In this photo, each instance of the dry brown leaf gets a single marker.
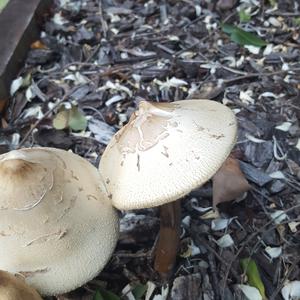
(229, 182)
(38, 45)
(2, 104)
(4, 124)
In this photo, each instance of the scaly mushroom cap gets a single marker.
(57, 225)
(13, 288)
(165, 151)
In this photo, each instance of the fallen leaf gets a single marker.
(250, 292)
(298, 144)
(278, 216)
(102, 294)
(229, 182)
(150, 290)
(2, 104)
(243, 37)
(61, 120)
(102, 131)
(220, 224)
(225, 241)
(293, 226)
(244, 15)
(77, 120)
(291, 290)
(139, 290)
(285, 126)
(38, 45)
(15, 85)
(71, 118)
(273, 252)
(250, 268)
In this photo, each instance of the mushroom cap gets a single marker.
(13, 288)
(165, 151)
(58, 227)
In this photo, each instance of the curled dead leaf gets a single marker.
(229, 182)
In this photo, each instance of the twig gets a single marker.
(213, 270)
(204, 243)
(251, 237)
(103, 22)
(251, 75)
(283, 14)
(278, 289)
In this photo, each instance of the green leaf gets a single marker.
(273, 3)
(244, 16)
(243, 37)
(3, 4)
(61, 120)
(98, 296)
(296, 21)
(227, 28)
(139, 291)
(71, 118)
(250, 268)
(77, 120)
(103, 294)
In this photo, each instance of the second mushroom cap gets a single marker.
(166, 150)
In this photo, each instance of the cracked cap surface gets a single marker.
(165, 151)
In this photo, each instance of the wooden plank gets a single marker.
(18, 29)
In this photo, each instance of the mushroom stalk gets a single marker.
(169, 238)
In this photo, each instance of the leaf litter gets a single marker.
(93, 63)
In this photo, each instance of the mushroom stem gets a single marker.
(169, 237)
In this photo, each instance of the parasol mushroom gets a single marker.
(13, 288)
(165, 151)
(57, 226)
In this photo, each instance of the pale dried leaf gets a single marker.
(15, 85)
(278, 216)
(285, 126)
(225, 241)
(298, 144)
(250, 292)
(291, 291)
(220, 224)
(273, 252)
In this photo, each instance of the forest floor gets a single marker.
(97, 59)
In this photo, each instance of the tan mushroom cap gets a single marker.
(165, 151)
(57, 226)
(13, 288)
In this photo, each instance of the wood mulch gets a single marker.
(106, 56)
